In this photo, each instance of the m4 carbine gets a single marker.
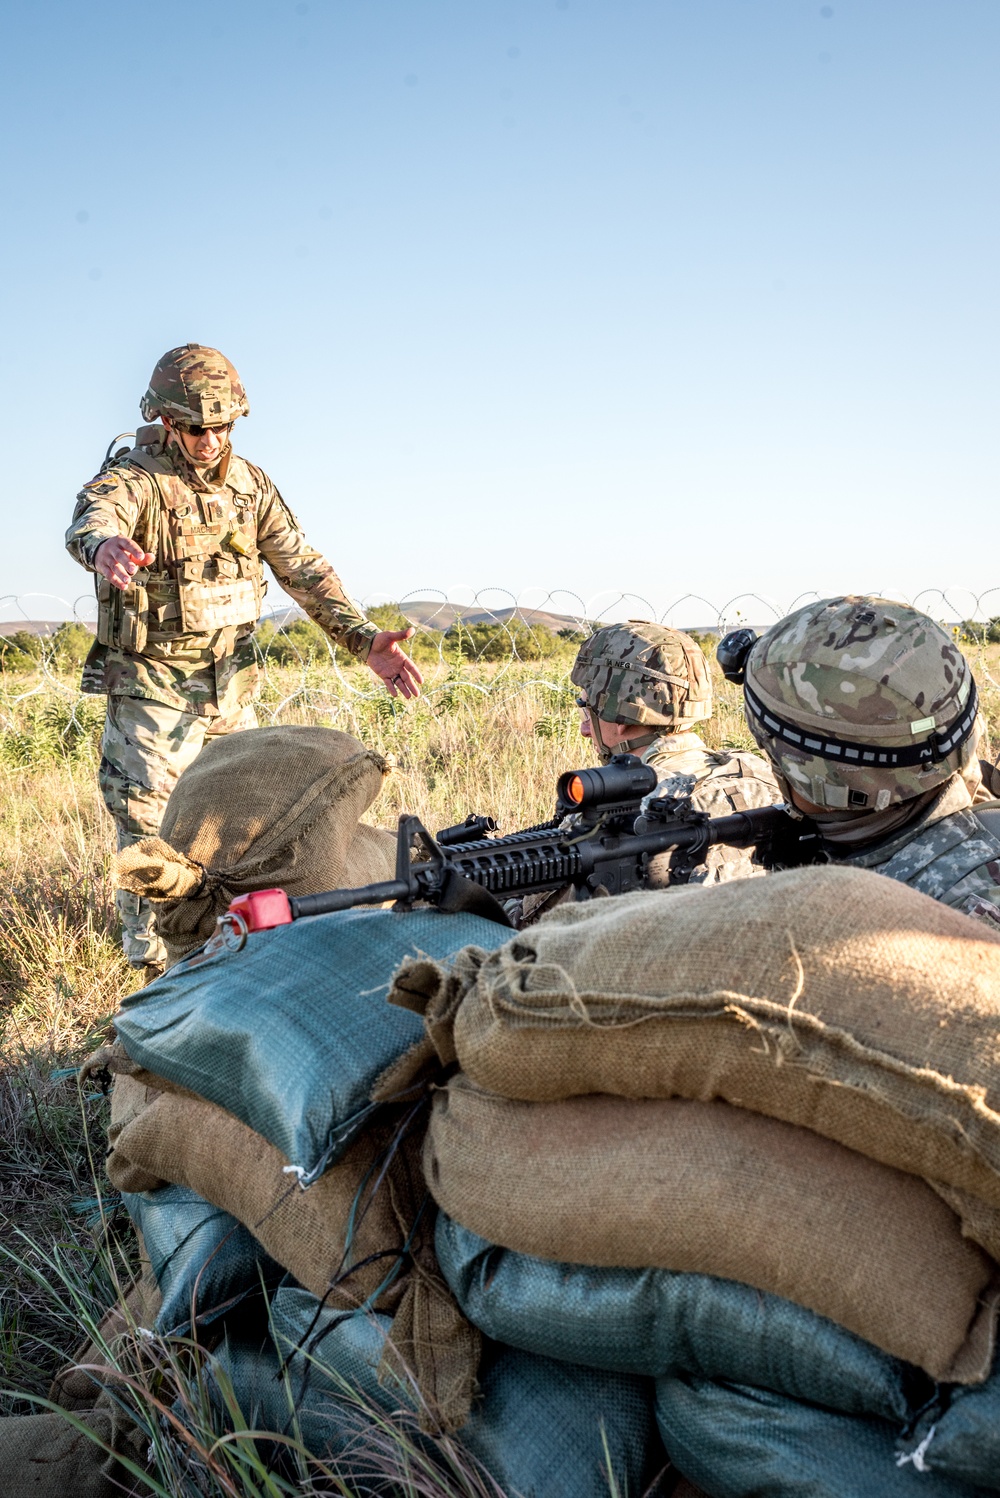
(597, 840)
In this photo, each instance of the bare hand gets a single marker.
(401, 677)
(119, 558)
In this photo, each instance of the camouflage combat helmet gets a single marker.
(861, 703)
(196, 386)
(645, 674)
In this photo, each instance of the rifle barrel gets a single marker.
(346, 899)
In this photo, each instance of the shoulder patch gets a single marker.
(101, 485)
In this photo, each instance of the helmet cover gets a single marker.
(861, 703)
(195, 386)
(645, 674)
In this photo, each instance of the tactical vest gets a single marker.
(207, 574)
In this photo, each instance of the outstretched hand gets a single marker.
(387, 660)
(119, 558)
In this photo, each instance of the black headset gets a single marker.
(732, 652)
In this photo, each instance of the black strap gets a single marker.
(846, 751)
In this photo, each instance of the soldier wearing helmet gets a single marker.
(868, 712)
(177, 531)
(643, 687)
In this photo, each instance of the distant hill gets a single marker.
(434, 613)
(43, 627)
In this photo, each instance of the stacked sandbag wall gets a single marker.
(789, 1087)
(709, 1145)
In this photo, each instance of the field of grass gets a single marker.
(486, 736)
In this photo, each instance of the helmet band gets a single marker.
(847, 752)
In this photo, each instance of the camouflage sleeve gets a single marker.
(984, 907)
(108, 506)
(307, 576)
(978, 893)
(742, 781)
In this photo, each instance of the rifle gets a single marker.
(597, 838)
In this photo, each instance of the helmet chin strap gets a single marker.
(603, 752)
(786, 791)
(626, 746)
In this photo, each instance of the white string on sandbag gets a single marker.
(917, 1456)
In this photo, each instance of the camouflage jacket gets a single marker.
(209, 540)
(718, 783)
(948, 853)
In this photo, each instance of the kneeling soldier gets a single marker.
(643, 687)
(868, 712)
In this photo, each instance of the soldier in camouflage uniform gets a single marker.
(177, 532)
(868, 711)
(642, 688)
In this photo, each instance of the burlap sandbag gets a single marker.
(706, 1188)
(190, 1142)
(271, 807)
(131, 1091)
(48, 1456)
(980, 1220)
(129, 1098)
(432, 1344)
(187, 1141)
(828, 997)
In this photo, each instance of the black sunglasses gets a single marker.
(200, 431)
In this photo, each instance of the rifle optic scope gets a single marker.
(626, 778)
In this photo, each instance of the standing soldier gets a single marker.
(177, 532)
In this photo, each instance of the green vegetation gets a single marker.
(303, 642)
(515, 639)
(64, 650)
(973, 632)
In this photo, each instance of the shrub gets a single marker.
(69, 646)
(293, 644)
(20, 651)
(975, 632)
(497, 641)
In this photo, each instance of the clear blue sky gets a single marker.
(663, 295)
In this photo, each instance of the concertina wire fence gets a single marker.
(512, 636)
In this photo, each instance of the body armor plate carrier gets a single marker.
(207, 574)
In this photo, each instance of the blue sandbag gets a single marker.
(739, 1442)
(653, 1321)
(291, 1032)
(197, 1250)
(335, 1410)
(249, 1361)
(961, 1437)
(536, 1428)
(539, 1427)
